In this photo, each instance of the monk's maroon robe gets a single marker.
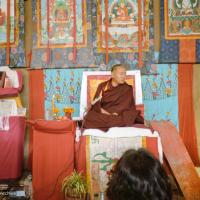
(118, 100)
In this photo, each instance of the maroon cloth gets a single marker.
(12, 149)
(118, 100)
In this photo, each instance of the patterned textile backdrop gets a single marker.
(58, 40)
(160, 93)
(17, 57)
(65, 84)
(169, 52)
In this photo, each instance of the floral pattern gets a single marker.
(63, 86)
(160, 93)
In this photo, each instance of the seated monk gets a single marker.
(113, 104)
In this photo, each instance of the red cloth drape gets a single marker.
(186, 111)
(48, 33)
(36, 102)
(53, 157)
(12, 148)
(106, 29)
(140, 34)
(74, 32)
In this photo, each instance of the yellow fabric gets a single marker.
(17, 99)
(144, 142)
(156, 10)
(88, 176)
(196, 102)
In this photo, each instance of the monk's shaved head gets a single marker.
(118, 74)
(114, 67)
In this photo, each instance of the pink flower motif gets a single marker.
(14, 50)
(72, 98)
(70, 56)
(154, 67)
(135, 44)
(168, 82)
(57, 88)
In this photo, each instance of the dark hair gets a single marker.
(114, 67)
(138, 176)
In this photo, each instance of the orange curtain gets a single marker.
(187, 127)
(36, 103)
(187, 51)
(196, 101)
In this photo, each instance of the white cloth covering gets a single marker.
(8, 107)
(4, 123)
(12, 75)
(124, 132)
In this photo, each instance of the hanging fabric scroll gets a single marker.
(61, 23)
(123, 17)
(182, 19)
(12, 33)
(60, 37)
(180, 29)
(122, 34)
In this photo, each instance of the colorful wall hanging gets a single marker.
(54, 49)
(182, 19)
(61, 38)
(61, 23)
(116, 36)
(160, 93)
(173, 48)
(123, 25)
(64, 85)
(12, 33)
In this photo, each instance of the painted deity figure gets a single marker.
(61, 21)
(122, 12)
(186, 6)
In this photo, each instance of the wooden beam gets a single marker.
(179, 160)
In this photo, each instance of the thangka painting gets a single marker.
(66, 22)
(65, 86)
(118, 22)
(160, 93)
(14, 17)
(182, 19)
(16, 32)
(61, 36)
